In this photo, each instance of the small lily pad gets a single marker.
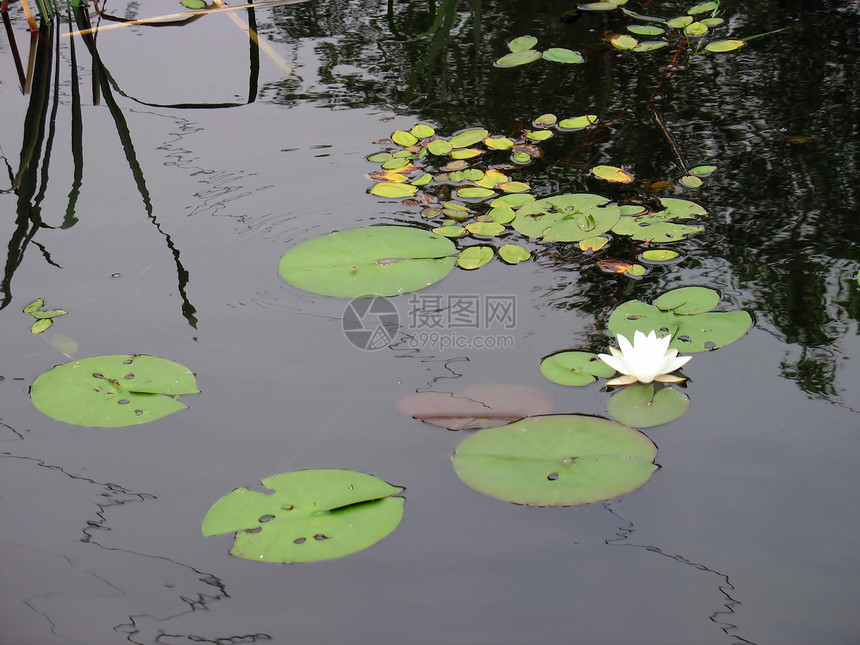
(393, 190)
(468, 137)
(490, 229)
(650, 46)
(367, 262)
(562, 55)
(522, 43)
(474, 192)
(659, 255)
(498, 143)
(515, 59)
(545, 121)
(659, 225)
(422, 131)
(704, 7)
(723, 46)
(612, 173)
(623, 41)
(593, 244)
(439, 147)
(113, 391)
(645, 30)
(557, 460)
(311, 515)
(450, 231)
(680, 22)
(691, 181)
(37, 304)
(403, 138)
(40, 325)
(574, 368)
(473, 257)
(513, 253)
(702, 171)
(639, 406)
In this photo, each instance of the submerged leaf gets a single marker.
(311, 515)
(478, 406)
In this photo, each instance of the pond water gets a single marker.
(155, 210)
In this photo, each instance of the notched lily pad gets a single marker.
(311, 515)
(685, 315)
(113, 391)
(640, 406)
(367, 262)
(567, 218)
(558, 460)
(574, 368)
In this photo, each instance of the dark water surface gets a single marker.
(157, 220)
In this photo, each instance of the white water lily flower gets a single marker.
(648, 359)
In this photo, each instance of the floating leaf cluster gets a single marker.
(44, 318)
(522, 52)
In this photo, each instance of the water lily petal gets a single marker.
(669, 378)
(627, 379)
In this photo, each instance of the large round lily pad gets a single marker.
(557, 460)
(312, 515)
(113, 391)
(567, 218)
(685, 315)
(368, 262)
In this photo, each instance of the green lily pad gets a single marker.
(704, 7)
(37, 304)
(522, 43)
(368, 262)
(557, 460)
(468, 137)
(650, 46)
(40, 325)
(638, 406)
(502, 214)
(403, 138)
(475, 192)
(696, 29)
(193, 4)
(645, 30)
(311, 515)
(577, 123)
(439, 147)
(659, 255)
(490, 229)
(473, 257)
(513, 200)
(545, 121)
(112, 391)
(422, 131)
(680, 22)
(393, 191)
(513, 253)
(623, 41)
(567, 218)
(562, 55)
(574, 368)
(684, 314)
(691, 181)
(603, 5)
(450, 231)
(515, 59)
(498, 143)
(723, 46)
(702, 171)
(657, 226)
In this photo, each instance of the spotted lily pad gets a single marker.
(113, 391)
(644, 406)
(567, 218)
(367, 262)
(311, 515)
(557, 460)
(685, 315)
(574, 368)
